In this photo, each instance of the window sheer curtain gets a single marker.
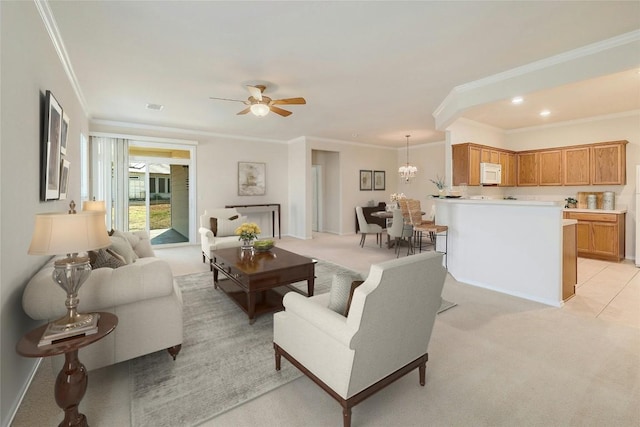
(110, 178)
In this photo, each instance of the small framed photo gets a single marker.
(64, 179)
(50, 150)
(252, 179)
(64, 133)
(378, 180)
(366, 181)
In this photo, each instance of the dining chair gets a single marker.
(399, 231)
(366, 228)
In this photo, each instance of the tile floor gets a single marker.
(608, 291)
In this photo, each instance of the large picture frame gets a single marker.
(64, 132)
(64, 179)
(366, 181)
(252, 179)
(378, 180)
(50, 150)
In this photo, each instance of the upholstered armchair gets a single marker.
(217, 230)
(384, 336)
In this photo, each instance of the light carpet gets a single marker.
(224, 361)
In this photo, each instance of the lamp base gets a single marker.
(67, 327)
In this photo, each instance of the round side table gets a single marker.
(71, 382)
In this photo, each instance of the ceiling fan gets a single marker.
(260, 105)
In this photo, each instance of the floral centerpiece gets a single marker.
(248, 232)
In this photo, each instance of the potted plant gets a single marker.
(571, 203)
(439, 182)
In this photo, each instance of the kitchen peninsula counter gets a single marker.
(510, 246)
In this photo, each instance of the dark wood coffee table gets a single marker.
(254, 276)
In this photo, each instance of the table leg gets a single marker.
(215, 277)
(311, 284)
(71, 384)
(251, 307)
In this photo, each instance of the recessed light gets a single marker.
(545, 113)
(517, 100)
(155, 107)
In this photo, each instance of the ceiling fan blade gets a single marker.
(256, 91)
(288, 101)
(245, 111)
(283, 113)
(227, 99)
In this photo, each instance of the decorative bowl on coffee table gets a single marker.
(263, 245)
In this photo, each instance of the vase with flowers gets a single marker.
(439, 182)
(248, 232)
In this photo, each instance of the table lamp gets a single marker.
(70, 234)
(94, 205)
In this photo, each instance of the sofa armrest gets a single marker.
(326, 320)
(205, 232)
(145, 279)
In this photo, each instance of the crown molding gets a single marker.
(52, 29)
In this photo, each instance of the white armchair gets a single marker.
(222, 235)
(384, 336)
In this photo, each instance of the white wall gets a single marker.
(29, 66)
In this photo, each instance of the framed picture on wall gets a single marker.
(50, 150)
(64, 179)
(63, 133)
(366, 180)
(252, 179)
(378, 180)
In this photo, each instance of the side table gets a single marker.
(71, 382)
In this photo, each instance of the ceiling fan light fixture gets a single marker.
(260, 110)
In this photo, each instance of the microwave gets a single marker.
(490, 173)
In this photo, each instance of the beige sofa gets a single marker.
(219, 234)
(142, 294)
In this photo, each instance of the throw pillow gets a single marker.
(213, 224)
(227, 227)
(339, 293)
(354, 285)
(122, 247)
(104, 258)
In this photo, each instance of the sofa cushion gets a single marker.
(340, 291)
(227, 227)
(122, 247)
(213, 224)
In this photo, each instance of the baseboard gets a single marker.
(23, 393)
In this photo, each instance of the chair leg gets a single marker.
(346, 417)
(362, 239)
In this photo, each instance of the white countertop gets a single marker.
(569, 222)
(612, 211)
(502, 202)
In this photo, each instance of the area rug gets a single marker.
(224, 361)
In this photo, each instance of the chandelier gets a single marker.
(407, 171)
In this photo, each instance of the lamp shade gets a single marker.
(94, 205)
(61, 233)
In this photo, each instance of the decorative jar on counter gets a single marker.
(608, 200)
(591, 201)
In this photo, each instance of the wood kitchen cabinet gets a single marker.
(466, 164)
(508, 163)
(527, 168)
(608, 163)
(569, 261)
(488, 155)
(550, 167)
(600, 235)
(576, 165)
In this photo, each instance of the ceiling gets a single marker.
(371, 72)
